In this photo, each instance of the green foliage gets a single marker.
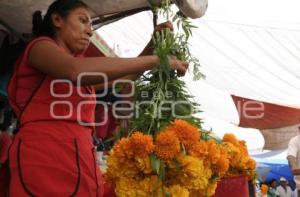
(160, 95)
(155, 163)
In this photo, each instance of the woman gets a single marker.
(52, 154)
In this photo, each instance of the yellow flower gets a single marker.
(122, 150)
(188, 134)
(210, 190)
(200, 150)
(143, 164)
(229, 137)
(141, 145)
(222, 165)
(251, 164)
(125, 187)
(234, 154)
(117, 169)
(178, 191)
(214, 152)
(130, 187)
(193, 175)
(240, 161)
(167, 145)
(213, 155)
(151, 185)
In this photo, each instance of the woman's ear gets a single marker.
(57, 20)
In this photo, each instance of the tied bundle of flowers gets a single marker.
(142, 166)
(240, 161)
(175, 162)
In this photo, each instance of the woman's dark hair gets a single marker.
(40, 27)
(44, 26)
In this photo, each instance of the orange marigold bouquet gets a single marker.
(175, 162)
(166, 154)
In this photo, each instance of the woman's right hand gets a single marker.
(178, 65)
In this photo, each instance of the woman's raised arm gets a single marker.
(48, 58)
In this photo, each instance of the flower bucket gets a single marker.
(236, 186)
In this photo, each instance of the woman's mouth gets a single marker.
(85, 40)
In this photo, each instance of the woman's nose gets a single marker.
(89, 30)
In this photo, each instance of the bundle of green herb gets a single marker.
(160, 95)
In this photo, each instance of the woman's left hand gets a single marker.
(148, 50)
(165, 25)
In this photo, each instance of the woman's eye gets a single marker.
(83, 20)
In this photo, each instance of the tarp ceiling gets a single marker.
(17, 14)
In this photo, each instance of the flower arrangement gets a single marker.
(175, 162)
(165, 152)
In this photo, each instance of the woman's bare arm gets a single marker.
(49, 58)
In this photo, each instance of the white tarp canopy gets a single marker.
(248, 48)
(17, 14)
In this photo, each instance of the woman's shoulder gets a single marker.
(31, 43)
(38, 39)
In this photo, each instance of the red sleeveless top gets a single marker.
(55, 135)
(51, 98)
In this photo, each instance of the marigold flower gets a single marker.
(117, 169)
(185, 175)
(234, 154)
(229, 137)
(130, 187)
(200, 150)
(187, 134)
(178, 191)
(143, 163)
(122, 150)
(211, 189)
(167, 145)
(193, 174)
(141, 145)
(214, 152)
(243, 147)
(125, 187)
(251, 164)
(222, 165)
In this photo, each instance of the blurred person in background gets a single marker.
(284, 190)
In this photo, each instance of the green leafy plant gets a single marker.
(160, 95)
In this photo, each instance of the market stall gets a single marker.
(221, 164)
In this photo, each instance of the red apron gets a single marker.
(52, 154)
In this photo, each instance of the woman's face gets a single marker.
(74, 30)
